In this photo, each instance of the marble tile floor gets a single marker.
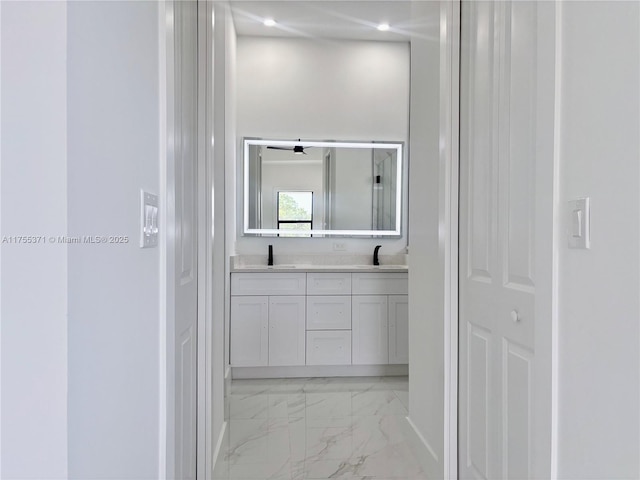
(320, 428)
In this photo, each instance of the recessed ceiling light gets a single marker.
(269, 22)
(383, 27)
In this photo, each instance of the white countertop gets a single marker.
(319, 263)
(321, 268)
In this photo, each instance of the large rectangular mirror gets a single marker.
(313, 188)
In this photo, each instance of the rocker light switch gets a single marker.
(579, 224)
(148, 220)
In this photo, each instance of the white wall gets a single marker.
(320, 89)
(426, 251)
(113, 151)
(33, 278)
(599, 289)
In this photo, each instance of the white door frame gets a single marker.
(204, 402)
(449, 182)
(166, 92)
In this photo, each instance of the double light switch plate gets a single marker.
(148, 220)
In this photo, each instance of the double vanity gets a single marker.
(320, 314)
(318, 320)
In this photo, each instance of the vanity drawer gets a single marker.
(268, 283)
(380, 283)
(329, 312)
(329, 347)
(330, 283)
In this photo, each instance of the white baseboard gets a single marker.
(423, 452)
(304, 371)
(219, 443)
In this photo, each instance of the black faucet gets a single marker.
(375, 255)
(270, 259)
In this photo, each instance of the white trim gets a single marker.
(423, 444)
(557, 111)
(208, 53)
(449, 137)
(205, 408)
(204, 218)
(218, 449)
(167, 269)
(1, 253)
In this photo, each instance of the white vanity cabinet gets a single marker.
(267, 319)
(322, 319)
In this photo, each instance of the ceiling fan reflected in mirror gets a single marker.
(297, 149)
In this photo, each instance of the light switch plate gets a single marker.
(579, 224)
(148, 220)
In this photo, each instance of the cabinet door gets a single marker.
(287, 330)
(249, 331)
(398, 329)
(370, 330)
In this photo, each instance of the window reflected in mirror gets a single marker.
(295, 213)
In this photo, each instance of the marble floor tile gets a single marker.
(317, 428)
(403, 396)
(376, 403)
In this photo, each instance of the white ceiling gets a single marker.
(332, 19)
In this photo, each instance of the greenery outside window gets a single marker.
(295, 213)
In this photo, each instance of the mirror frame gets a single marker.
(398, 146)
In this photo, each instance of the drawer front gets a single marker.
(329, 347)
(268, 283)
(329, 312)
(338, 283)
(380, 283)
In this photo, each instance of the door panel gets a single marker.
(478, 389)
(499, 156)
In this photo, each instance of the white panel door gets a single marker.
(249, 331)
(370, 330)
(505, 127)
(287, 330)
(186, 274)
(399, 329)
